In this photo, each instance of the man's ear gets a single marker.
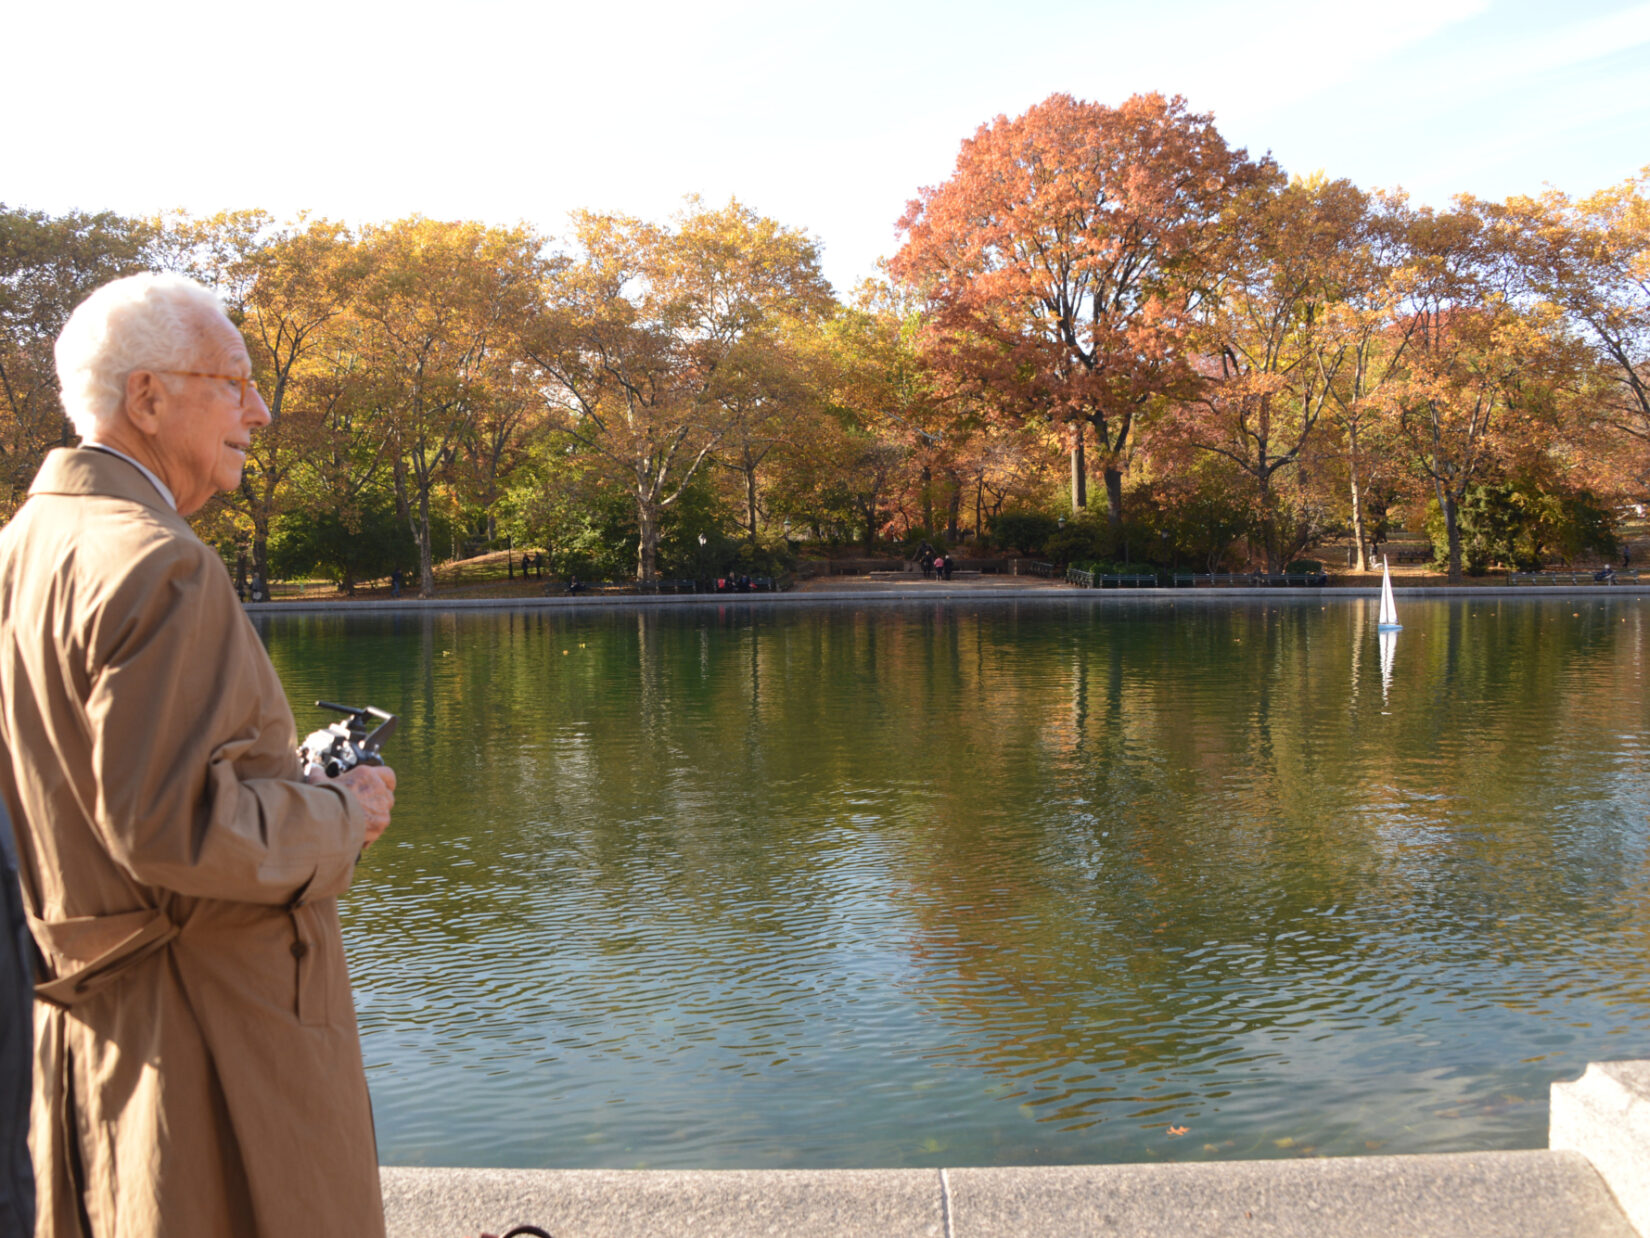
(144, 396)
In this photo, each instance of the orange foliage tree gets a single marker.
(1065, 258)
(1272, 352)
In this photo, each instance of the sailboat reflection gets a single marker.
(1388, 627)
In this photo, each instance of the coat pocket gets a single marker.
(310, 965)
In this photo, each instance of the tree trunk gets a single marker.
(928, 500)
(1359, 538)
(260, 548)
(1114, 495)
(421, 533)
(871, 525)
(1452, 529)
(1268, 526)
(1079, 473)
(647, 544)
(750, 496)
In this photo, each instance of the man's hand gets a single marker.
(374, 787)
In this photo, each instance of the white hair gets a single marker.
(142, 322)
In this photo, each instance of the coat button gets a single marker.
(299, 949)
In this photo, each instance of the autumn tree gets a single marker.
(882, 390)
(1482, 371)
(1369, 320)
(1271, 352)
(48, 265)
(752, 290)
(1591, 260)
(649, 339)
(1065, 258)
(438, 302)
(289, 288)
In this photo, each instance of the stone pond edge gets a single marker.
(1593, 1181)
(837, 596)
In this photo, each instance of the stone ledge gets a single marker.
(1605, 1116)
(1467, 1195)
(1536, 1194)
(598, 1203)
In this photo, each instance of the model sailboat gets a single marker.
(1388, 621)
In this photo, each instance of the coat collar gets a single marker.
(84, 470)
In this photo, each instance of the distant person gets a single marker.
(395, 582)
(574, 586)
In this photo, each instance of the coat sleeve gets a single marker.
(197, 786)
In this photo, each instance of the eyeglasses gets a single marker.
(242, 385)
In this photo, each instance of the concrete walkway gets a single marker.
(1540, 1194)
(1593, 1183)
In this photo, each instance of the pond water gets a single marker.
(849, 885)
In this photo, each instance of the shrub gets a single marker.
(1025, 531)
(1079, 540)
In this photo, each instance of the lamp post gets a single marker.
(702, 540)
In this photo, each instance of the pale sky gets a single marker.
(825, 117)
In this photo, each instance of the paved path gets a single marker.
(1540, 1194)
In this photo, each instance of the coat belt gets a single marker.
(90, 952)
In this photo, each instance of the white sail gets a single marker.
(1389, 609)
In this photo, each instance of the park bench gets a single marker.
(1403, 554)
(1627, 576)
(1111, 580)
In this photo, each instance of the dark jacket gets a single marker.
(16, 1046)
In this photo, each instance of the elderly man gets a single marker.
(197, 1068)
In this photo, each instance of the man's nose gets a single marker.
(256, 412)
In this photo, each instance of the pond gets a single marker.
(849, 885)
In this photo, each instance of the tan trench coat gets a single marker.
(197, 1068)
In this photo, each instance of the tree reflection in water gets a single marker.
(1009, 883)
